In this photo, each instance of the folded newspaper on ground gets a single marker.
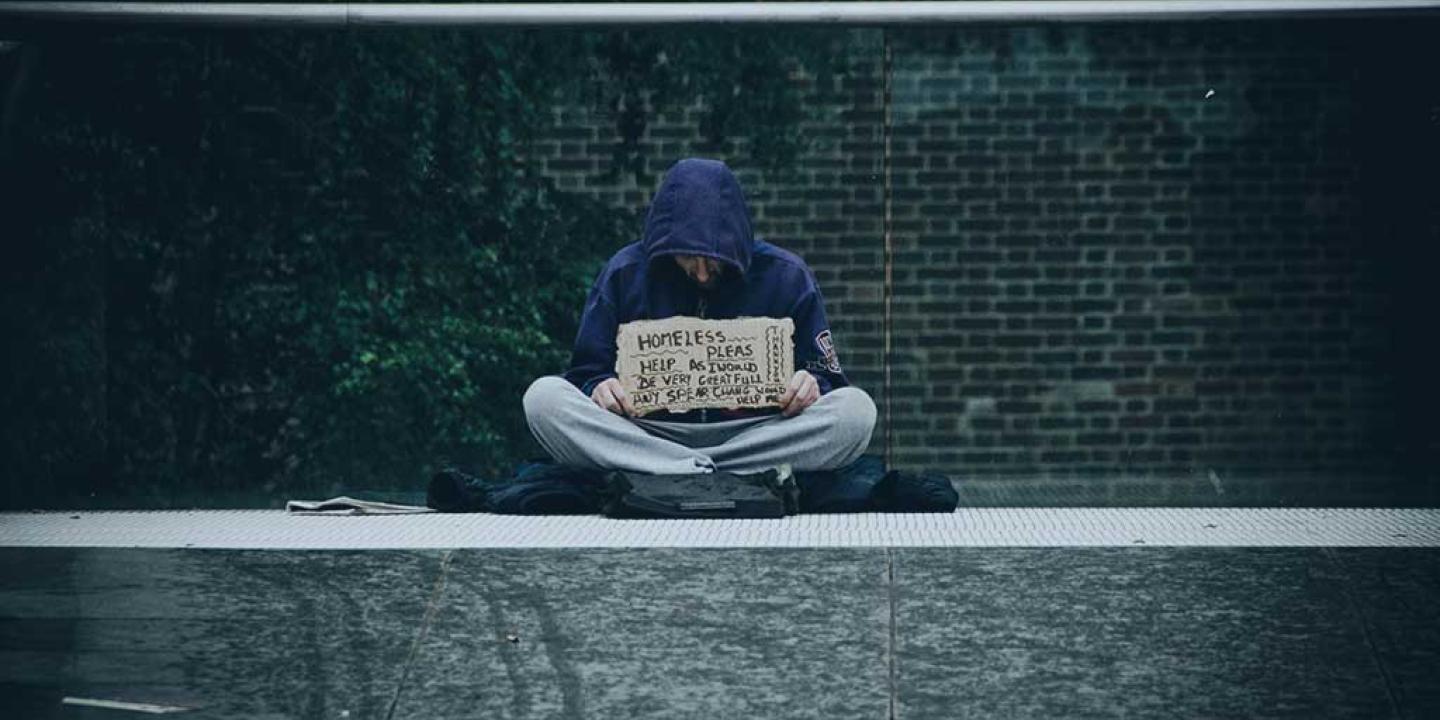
(350, 506)
(684, 363)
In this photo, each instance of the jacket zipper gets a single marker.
(700, 311)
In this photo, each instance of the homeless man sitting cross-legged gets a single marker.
(698, 258)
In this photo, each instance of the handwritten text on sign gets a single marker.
(684, 363)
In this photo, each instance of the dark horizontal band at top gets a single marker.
(667, 13)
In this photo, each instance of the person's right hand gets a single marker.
(612, 397)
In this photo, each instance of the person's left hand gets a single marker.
(802, 392)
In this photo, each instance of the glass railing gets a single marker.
(1111, 263)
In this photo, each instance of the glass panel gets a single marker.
(263, 264)
(1162, 263)
(1166, 263)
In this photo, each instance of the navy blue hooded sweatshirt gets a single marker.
(700, 210)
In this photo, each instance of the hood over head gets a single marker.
(700, 210)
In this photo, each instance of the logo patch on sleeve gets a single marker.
(829, 360)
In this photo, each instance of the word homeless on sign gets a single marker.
(684, 363)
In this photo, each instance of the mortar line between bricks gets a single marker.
(425, 623)
(887, 321)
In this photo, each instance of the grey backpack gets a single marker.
(769, 494)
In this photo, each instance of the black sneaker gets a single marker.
(454, 490)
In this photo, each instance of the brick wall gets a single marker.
(1117, 249)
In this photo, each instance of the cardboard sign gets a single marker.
(683, 363)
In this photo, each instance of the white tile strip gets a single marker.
(978, 527)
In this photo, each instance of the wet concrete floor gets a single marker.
(706, 633)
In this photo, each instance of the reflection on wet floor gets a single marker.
(834, 633)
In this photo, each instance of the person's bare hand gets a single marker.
(802, 392)
(612, 397)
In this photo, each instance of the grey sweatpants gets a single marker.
(575, 431)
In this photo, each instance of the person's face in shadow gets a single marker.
(703, 271)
